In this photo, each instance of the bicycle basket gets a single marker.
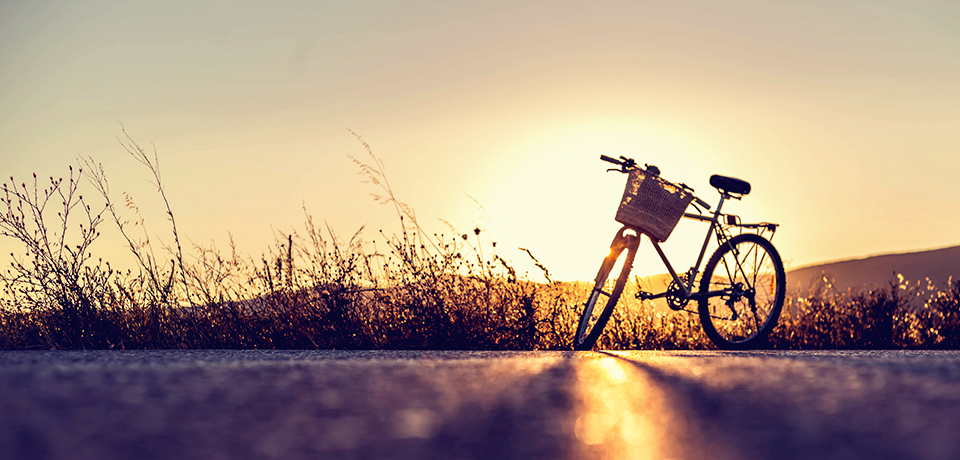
(652, 204)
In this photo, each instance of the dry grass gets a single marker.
(310, 289)
(900, 315)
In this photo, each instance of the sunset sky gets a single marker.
(845, 116)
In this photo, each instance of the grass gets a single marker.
(311, 289)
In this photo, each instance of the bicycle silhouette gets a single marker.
(742, 288)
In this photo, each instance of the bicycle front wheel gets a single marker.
(606, 290)
(748, 281)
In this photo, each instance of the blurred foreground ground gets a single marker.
(421, 404)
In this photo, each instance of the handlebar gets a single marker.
(702, 203)
(627, 164)
(610, 159)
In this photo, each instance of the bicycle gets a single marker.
(742, 287)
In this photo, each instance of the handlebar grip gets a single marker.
(702, 203)
(609, 159)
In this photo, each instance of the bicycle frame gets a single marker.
(715, 229)
(746, 260)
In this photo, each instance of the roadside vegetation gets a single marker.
(311, 289)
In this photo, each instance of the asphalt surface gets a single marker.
(384, 404)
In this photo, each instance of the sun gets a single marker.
(550, 192)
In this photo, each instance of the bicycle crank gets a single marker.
(676, 297)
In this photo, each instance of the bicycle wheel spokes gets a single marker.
(604, 286)
(749, 272)
(741, 313)
(607, 288)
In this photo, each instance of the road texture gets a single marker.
(527, 405)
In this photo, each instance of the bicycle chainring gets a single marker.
(676, 300)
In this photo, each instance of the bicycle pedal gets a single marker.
(643, 295)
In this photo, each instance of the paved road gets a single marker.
(328, 404)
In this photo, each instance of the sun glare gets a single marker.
(614, 427)
(551, 192)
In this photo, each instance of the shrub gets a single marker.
(310, 289)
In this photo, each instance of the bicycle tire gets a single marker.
(623, 246)
(742, 321)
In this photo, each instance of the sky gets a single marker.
(490, 114)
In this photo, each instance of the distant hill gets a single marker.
(938, 265)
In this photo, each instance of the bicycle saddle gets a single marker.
(730, 184)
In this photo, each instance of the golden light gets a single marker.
(611, 424)
(550, 192)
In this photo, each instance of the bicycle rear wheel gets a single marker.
(750, 273)
(606, 290)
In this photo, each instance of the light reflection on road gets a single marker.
(608, 425)
(504, 405)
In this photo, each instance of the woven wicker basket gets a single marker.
(652, 204)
